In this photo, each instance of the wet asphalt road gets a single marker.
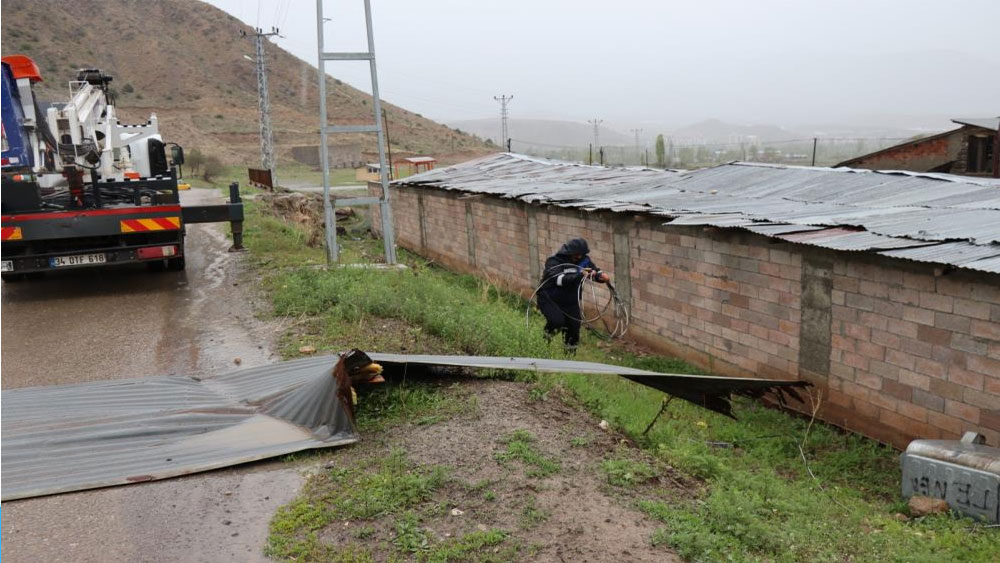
(91, 325)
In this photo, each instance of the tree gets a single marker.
(211, 167)
(661, 151)
(194, 159)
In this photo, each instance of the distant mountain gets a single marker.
(184, 60)
(716, 131)
(545, 133)
(900, 129)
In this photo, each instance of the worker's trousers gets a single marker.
(562, 313)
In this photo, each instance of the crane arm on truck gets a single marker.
(82, 189)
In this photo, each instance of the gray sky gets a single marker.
(784, 62)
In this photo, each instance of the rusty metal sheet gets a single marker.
(99, 434)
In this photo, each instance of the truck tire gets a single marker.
(175, 264)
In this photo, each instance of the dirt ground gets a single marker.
(574, 514)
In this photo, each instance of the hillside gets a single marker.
(184, 60)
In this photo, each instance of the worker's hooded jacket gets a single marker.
(562, 275)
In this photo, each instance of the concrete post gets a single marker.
(421, 218)
(817, 316)
(533, 258)
(470, 231)
(623, 259)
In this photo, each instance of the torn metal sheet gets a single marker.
(84, 436)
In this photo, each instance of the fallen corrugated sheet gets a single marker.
(892, 209)
(75, 437)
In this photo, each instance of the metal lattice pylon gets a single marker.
(264, 102)
(330, 218)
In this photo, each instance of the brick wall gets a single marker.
(899, 349)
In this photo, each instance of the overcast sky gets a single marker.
(784, 62)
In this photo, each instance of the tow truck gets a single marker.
(81, 189)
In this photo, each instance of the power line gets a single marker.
(597, 130)
(504, 126)
(263, 99)
(636, 133)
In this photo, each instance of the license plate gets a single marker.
(7, 266)
(78, 260)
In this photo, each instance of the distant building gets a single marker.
(368, 173)
(414, 165)
(340, 156)
(967, 150)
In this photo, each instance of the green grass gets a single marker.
(520, 446)
(474, 546)
(757, 501)
(391, 403)
(288, 174)
(626, 472)
(385, 490)
(531, 515)
(374, 489)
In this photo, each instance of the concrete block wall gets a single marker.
(915, 353)
(900, 350)
(727, 300)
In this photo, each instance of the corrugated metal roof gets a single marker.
(893, 209)
(987, 122)
(99, 434)
(846, 239)
(957, 253)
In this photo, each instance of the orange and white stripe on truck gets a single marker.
(153, 224)
(11, 233)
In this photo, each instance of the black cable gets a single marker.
(621, 312)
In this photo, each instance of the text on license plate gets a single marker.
(78, 260)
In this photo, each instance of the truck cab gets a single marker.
(81, 189)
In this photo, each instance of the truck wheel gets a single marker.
(175, 264)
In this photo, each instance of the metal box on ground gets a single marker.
(966, 474)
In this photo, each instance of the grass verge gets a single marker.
(759, 501)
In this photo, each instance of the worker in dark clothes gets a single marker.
(559, 292)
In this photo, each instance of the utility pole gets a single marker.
(388, 141)
(638, 150)
(263, 100)
(814, 151)
(504, 127)
(597, 131)
(378, 126)
(996, 153)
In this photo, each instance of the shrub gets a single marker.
(211, 167)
